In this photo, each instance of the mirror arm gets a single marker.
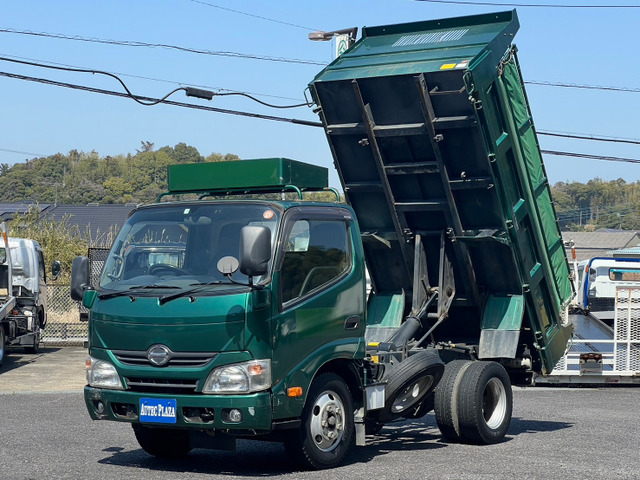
(250, 284)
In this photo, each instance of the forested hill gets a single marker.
(597, 204)
(81, 178)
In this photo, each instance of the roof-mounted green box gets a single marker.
(258, 174)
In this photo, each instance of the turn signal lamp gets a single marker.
(255, 369)
(294, 392)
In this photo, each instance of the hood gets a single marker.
(202, 324)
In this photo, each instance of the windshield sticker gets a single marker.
(268, 215)
(186, 211)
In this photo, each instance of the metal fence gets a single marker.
(64, 327)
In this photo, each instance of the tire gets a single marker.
(446, 399)
(409, 383)
(163, 442)
(3, 348)
(485, 403)
(31, 350)
(34, 348)
(371, 427)
(327, 429)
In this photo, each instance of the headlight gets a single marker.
(246, 377)
(102, 374)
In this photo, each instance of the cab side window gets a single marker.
(317, 252)
(43, 275)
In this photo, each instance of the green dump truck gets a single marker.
(225, 317)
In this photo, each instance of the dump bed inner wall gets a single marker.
(414, 179)
(448, 151)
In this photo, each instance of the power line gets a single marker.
(22, 153)
(99, 72)
(131, 43)
(589, 156)
(166, 102)
(460, 2)
(190, 91)
(173, 82)
(253, 15)
(586, 136)
(587, 87)
(144, 99)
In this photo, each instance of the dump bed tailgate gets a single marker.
(432, 135)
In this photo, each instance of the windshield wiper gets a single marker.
(184, 293)
(122, 293)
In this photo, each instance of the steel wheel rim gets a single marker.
(494, 403)
(412, 394)
(327, 421)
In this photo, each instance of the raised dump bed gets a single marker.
(435, 146)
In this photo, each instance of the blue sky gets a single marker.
(561, 45)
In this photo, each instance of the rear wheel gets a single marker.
(445, 401)
(326, 433)
(162, 442)
(33, 349)
(409, 383)
(485, 403)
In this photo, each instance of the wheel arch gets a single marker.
(347, 370)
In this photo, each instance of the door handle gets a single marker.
(352, 322)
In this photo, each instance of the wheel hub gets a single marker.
(411, 394)
(327, 422)
(494, 403)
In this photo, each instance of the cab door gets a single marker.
(319, 286)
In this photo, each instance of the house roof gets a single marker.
(600, 243)
(95, 221)
(603, 240)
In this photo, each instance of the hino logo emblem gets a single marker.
(159, 355)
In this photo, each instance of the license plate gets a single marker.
(158, 410)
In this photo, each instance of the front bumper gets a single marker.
(192, 411)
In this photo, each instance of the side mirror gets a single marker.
(56, 269)
(255, 250)
(79, 277)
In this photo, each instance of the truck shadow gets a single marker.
(519, 426)
(15, 358)
(417, 435)
(273, 459)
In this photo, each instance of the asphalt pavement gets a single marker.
(556, 433)
(49, 370)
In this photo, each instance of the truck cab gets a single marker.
(189, 328)
(598, 279)
(29, 279)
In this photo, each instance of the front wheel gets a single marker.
(326, 433)
(162, 442)
(485, 403)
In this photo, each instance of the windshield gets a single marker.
(180, 245)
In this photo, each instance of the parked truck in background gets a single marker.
(597, 281)
(23, 293)
(605, 347)
(224, 318)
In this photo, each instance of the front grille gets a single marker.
(162, 385)
(601, 304)
(178, 359)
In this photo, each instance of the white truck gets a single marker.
(23, 293)
(605, 347)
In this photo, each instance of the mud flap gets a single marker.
(501, 323)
